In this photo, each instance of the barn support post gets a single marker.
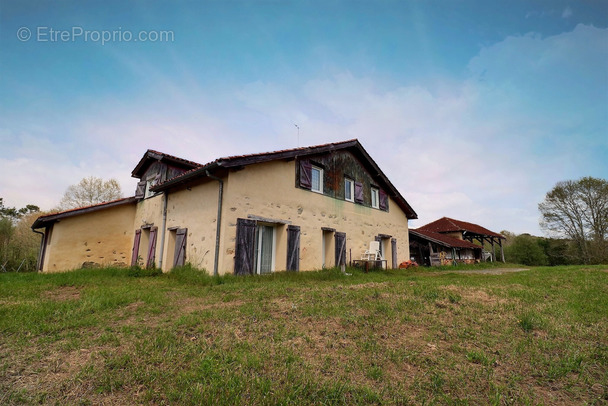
(502, 252)
(493, 250)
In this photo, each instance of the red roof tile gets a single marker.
(447, 225)
(443, 239)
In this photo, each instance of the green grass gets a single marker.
(124, 336)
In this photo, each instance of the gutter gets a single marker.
(162, 232)
(219, 220)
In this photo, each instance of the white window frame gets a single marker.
(149, 183)
(375, 192)
(350, 188)
(320, 170)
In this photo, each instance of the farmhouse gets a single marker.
(298, 209)
(447, 241)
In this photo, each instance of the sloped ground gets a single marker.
(399, 337)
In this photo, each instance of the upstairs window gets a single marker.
(151, 181)
(349, 190)
(375, 198)
(316, 179)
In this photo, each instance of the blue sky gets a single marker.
(474, 109)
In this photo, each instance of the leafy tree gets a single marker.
(18, 245)
(89, 191)
(578, 210)
(525, 249)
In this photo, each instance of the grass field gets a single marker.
(114, 336)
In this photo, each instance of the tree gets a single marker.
(89, 191)
(525, 249)
(578, 210)
(18, 245)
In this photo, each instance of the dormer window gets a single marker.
(316, 179)
(151, 181)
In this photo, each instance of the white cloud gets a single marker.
(485, 149)
(567, 13)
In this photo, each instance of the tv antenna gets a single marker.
(298, 127)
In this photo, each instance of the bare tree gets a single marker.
(578, 210)
(90, 190)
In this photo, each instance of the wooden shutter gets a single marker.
(394, 252)
(179, 258)
(358, 192)
(152, 247)
(305, 174)
(340, 248)
(245, 247)
(135, 253)
(141, 189)
(383, 200)
(293, 248)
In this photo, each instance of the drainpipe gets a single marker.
(219, 221)
(39, 262)
(162, 232)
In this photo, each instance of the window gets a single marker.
(151, 181)
(375, 199)
(317, 179)
(349, 190)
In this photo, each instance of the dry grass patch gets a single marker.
(62, 293)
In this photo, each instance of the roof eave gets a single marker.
(45, 221)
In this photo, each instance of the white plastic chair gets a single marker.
(373, 253)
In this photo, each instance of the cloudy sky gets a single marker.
(474, 109)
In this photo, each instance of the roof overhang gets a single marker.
(45, 221)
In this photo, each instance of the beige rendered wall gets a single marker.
(196, 210)
(268, 190)
(103, 238)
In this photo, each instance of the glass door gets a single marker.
(264, 249)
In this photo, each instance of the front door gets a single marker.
(264, 249)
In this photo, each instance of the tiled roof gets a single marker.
(42, 221)
(243, 160)
(443, 239)
(447, 225)
(175, 158)
(158, 156)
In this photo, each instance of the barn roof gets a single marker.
(447, 225)
(443, 239)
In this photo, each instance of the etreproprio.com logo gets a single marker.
(79, 34)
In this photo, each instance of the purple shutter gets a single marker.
(141, 189)
(293, 248)
(244, 251)
(394, 252)
(383, 200)
(358, 192)
(340, 248)
(135, 253)
(179, 258)
(152, 247)
(305, 174)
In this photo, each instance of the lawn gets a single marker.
(114, 336)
